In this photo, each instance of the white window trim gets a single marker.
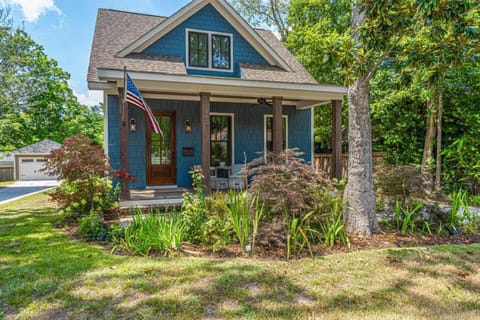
(209, 33)
(232, 116)
(265, 116)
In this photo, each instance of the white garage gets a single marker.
(30, 160)
(31, 169)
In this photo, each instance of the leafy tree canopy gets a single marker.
(35, 100)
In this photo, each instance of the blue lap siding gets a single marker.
(248, 136)
(206, 19)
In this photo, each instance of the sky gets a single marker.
(65, 30)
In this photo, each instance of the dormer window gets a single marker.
(209, 50)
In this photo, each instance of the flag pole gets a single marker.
(124, 184)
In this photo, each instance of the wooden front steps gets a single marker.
(153, 198)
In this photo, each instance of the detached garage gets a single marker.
(31, 159)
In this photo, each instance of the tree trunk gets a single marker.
(359, 196)
(438, 162)
(427, 158)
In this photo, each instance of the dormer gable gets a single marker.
(228, 16)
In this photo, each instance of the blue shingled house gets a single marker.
(220, 90)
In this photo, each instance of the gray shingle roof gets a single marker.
(115, 30)
(42, 147)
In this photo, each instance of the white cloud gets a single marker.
(33, 9)
(92, 98)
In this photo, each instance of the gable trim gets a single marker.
(227, 12)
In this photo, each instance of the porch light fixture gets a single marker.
(133, 125)
(188, 126)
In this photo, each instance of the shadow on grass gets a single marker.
(36, 259)
(62, 278)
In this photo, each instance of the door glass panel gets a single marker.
(161, 145)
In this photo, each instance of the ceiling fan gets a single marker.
(263, 101)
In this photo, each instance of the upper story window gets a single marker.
(209, 50)
(198, 49)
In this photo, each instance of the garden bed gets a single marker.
(386, 240)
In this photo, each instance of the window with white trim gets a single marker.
(221, 139)
(209, 50)
(268, 133)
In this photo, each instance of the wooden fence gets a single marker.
(323, 161)
(6, 174)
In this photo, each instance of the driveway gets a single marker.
(24, 188)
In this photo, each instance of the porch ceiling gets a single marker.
(186, 87)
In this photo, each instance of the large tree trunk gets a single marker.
(359, 196)
(427, 158)
(438, 162)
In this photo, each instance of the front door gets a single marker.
(161, 160)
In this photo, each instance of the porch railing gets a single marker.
(323, 161)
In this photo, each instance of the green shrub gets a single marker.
(81, 196)
(406, 218)
(91, 227)
(217, 231)
(194, 207)
(245, 216)
(332, 227)
(461, 164)
(239, 212)
(299, 233)
(85, 172)
(163, 232)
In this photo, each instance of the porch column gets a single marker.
(277, 125)
(123, 116)
(337, 139)
(205, 137)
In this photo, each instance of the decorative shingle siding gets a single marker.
(207, 19)
(249, 134)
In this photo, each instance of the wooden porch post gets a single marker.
(277, 125)
(123, 116)
(337, 139)
(205, 137)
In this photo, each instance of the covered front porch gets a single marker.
(261, 115)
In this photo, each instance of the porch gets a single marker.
(260, 116)
(168, 197)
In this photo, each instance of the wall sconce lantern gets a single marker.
(188, 126)
(133, 125)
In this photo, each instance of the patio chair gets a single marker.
(217, 182)
(236, 180)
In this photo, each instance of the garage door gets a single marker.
(29, 169)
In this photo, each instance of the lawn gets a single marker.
(44, 274)
(6, 183)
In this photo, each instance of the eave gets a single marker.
(187, 87)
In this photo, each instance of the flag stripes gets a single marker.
(135, 98)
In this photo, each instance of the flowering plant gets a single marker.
(125, 175)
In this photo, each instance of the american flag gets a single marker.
(135, 97)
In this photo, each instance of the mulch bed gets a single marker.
(384, 240)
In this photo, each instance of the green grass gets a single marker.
(44, 274)
(6, 183)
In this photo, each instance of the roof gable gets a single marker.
(43, 147)
(247, 32)
(206, 20)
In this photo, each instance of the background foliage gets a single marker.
(36, 101)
